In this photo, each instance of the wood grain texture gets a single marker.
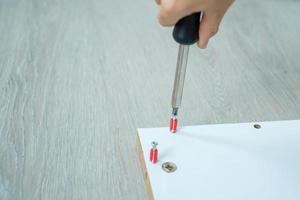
(78, 77)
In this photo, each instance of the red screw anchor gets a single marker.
(173, 124)
(153, 152)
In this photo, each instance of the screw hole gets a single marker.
(257, 126)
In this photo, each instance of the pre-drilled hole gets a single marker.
(257, 126)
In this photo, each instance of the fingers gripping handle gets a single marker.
(186, 30)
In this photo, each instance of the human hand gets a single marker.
(213, 11)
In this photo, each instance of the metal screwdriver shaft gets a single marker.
(182, 58)
(185, 33)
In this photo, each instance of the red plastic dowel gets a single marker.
(174, 128)
(151, 154)
(171, 123)
(155, 156)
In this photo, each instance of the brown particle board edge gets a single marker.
(144, 169)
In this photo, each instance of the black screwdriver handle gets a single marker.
(186, 30)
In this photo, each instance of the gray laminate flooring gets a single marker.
(77, 78)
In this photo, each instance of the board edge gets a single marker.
(144, 168)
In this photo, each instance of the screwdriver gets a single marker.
(185, 33)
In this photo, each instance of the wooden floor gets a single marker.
(77, 78)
